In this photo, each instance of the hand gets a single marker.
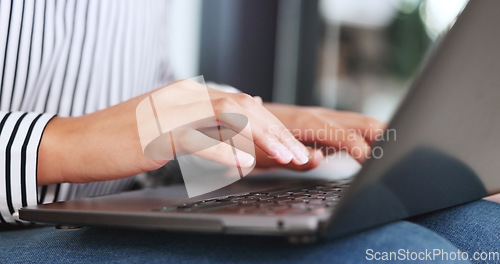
(105, 145)
(326, 131)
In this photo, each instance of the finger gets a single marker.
(267, 131)
(258, 99)
(351, 142)
(314, 161)
(280, 138)
(223, 108)
(264, 161)
(273, 127)
(370, 128)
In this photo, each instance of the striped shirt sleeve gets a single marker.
(70, 58)
(20, 135)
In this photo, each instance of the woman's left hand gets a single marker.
(326, 131)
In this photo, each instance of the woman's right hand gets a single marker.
(106, 145)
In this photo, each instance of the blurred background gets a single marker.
(357, 55)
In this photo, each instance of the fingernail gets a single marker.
(245, 160)
(283, 153)
(300, 156)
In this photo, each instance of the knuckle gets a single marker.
(372, 123)
(258, 99)
(245, 99)
(224, 104)
(369, 122)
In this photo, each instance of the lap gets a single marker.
(116, 245)
(472, 227)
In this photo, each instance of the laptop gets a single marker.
(445, 154)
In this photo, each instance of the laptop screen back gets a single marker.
(444, 144)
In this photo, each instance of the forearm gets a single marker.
(100, 146)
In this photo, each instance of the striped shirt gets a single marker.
(69, 58)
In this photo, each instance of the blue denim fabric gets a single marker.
(473, 227)
(88, 245)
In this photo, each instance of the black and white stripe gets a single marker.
(69, 58)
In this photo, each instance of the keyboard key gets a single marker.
(312, 199)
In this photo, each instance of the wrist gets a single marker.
(51, 165)
(96, 147)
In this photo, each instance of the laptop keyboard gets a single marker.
(313, 199)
